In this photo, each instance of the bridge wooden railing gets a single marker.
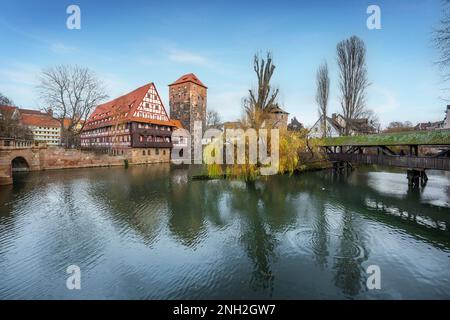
(409, 162)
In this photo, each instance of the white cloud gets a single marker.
(227, 103)
(20, 73)
(182, 56)
(18, 81)
(60, 47)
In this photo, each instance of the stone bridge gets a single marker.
(38, 158)
(18, 159)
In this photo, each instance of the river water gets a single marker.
(150, 232)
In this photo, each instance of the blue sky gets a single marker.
(130, 43)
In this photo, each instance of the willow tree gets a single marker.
(264, 97)
(322, 94)
(353, 82)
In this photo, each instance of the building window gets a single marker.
(143, 152)
(148, 152)
(164, 152)
(157, 151)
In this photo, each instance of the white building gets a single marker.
(332, 129)
(336, 125)
(447, 118)
(44, 127)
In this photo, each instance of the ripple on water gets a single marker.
(310, 242)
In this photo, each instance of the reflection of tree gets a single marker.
(349, 274)
(187, 211)
(321, 234)
(135, 197)
(255, 238)
(191, 204)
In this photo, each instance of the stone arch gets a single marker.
(19, 164)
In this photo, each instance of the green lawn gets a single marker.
(436, 137)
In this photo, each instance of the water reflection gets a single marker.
(160, 234)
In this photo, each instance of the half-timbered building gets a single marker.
(135, 125)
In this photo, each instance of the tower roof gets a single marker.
(190, 77)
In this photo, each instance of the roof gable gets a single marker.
(141, 105)
(190, 77)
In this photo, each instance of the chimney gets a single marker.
(50, 112)
(334, 116)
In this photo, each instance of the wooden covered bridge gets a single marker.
(416, 151)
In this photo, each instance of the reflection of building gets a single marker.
(44, 127)
(135, 125)
(187, 100)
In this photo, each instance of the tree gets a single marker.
(353, 82)
(372, 121)
(322, 93)
(71, 92)
(442, 39)
(213, 119)
(4, 100)
(11, 126)
(398, 126)
(261, 100)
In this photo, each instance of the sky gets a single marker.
(131, 43)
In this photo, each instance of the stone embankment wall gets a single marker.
(60, 158)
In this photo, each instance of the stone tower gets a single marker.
(187, 101)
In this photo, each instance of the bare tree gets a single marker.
(71, 92)
(353, 82)
(213, 119)
(398, 126)
(373, 122)
(4, 100)
(322, 93)
(259, 101)
(12, 127)
(442, 39)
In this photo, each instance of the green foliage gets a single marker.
(391, 139)
(295, 152)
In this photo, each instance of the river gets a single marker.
(150, 232)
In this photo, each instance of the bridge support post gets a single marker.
(5, 171)
(417, 178)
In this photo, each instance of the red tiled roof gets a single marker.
(40, 120)
(190, 77)
(177, 123)
(123, 107)
(30, 111)
(7, 108)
